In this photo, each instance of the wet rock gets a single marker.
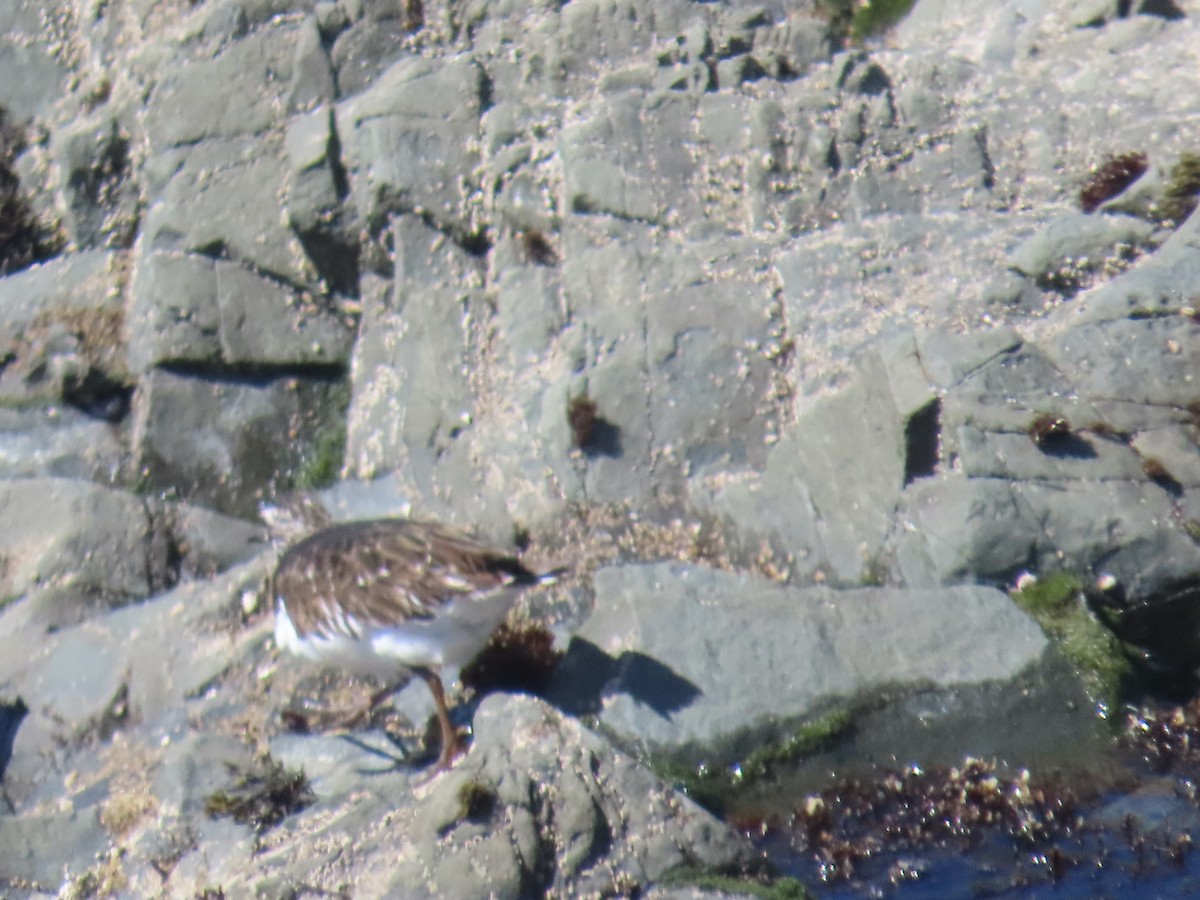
(662, 679)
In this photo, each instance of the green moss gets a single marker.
(878, 16)
(1056, 602)
(853, 22)
(1050, 597)
(715, 787)
(875, 572)
(1183, 187)
(1192, 528)
(321, 462)
(773, 889)
(810, 737)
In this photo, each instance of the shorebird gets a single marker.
(389, 597)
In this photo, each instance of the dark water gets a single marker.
(1049, 800)
(1136, 843)
(1091, 866)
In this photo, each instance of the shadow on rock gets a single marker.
(12, 712)
(587, 675)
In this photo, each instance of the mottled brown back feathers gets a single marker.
(358, 575)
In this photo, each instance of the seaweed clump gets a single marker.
(581, 416)
(262, 795)
(951, 807)
(517, 658)
(1112, 176)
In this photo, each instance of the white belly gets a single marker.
(447, 642)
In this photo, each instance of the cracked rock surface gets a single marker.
(798, 351)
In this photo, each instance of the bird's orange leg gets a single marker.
(452, 744)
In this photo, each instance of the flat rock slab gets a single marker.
(680, 656)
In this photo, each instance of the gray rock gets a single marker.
(217, 440)
(672, 685)
(60, 327)
(193, 768)
(368, 48)
(585, 38)
(206, 542)
(99, 191)
(602, 158)
(336, 765)
(173, 313)
(222, 198)
(1175, 448)
(407, 141)
(1154, 286)
(832, 277)
(982, 454)
(60, 442)
(76, 681)
(1097, 356)
(539, 804)
(132, 670)
(675, 353)
(821, 520)
(37, 850)
(994, 529)
(266, 323)
(80, 280)
(781, 273)
(184, 109)
(313, 196)
(1067, 252)
(957, 529)
(69, 547)
(410, 395)
(31, 74)
(313, 80)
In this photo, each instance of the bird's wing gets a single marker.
(363, 575)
